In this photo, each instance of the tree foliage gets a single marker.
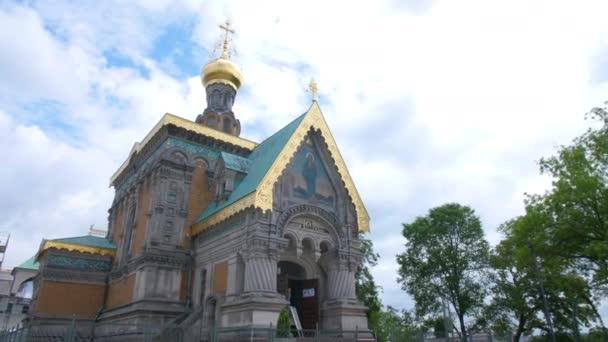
(365, 286)
(515, 293)
(394, 326)
(577, 205)
(567, 226)
(514, 290)
(445, 257)
(283, 324)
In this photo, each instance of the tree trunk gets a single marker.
(597, 314)
(455, 328)
(462, 328)
(520, 328)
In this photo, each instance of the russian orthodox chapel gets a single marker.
(208, 226)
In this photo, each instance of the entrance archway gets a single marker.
(301, 292)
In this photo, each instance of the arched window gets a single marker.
(215, 98)
(325, 247)
(130, 232)
(308, 246)
(26, 289)
(227, 125)
(212, 121)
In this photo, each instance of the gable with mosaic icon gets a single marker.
(306, 179)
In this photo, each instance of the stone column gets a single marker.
(342, 310)
(340, 281)
(260, 272)
(233, 276)
(259, 303)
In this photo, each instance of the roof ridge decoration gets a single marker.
(71, 244)
(262, 196)
(76, 247)
(170, 119)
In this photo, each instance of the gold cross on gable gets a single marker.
(312, 87)
(226, 43)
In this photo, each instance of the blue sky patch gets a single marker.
(174, 50)
(117, 59)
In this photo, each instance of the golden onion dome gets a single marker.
(222, 70)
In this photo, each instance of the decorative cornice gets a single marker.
(76, 277)
(263, 195)
(170, 119)
(153, 257)
(231, 210)
(48, 244)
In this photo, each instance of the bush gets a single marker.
(283, 325)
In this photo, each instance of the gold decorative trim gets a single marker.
(263, 193)
(170, 119)
(77, 248)
(313, 119)
(223, 214)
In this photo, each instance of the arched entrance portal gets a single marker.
(302, 293)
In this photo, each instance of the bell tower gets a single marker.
(222, 80)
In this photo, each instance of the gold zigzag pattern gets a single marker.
(76, 247)
(262, 197)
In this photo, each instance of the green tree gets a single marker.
(445, 257)
(568, 226)
(395, 326)
(438, 324)
(365, 286)
(578, 201)
(515, 290)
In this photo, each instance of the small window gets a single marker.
(25, 309)
(212, 121)
(227, 123)
(9, 307)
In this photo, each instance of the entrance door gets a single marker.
(305, 298)
(310, 303)
(303, 293)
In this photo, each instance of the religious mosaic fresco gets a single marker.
(307, 180)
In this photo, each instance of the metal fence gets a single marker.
(77, 332)
(476, 337)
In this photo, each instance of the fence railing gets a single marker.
(77, 332)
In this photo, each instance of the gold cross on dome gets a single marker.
(312, 87)
(226, 43)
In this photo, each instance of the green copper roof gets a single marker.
(261, 159)
(88, 240)
(236, 163)
(30, 264)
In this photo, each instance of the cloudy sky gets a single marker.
(429, 101)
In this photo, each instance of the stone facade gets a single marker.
(231, 271)
(212, 229)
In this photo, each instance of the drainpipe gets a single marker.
(189, 284)
(102, 307)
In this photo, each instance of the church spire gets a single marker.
(221, 79)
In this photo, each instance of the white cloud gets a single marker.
(430, 104)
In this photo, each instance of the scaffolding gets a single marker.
(4, 237)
